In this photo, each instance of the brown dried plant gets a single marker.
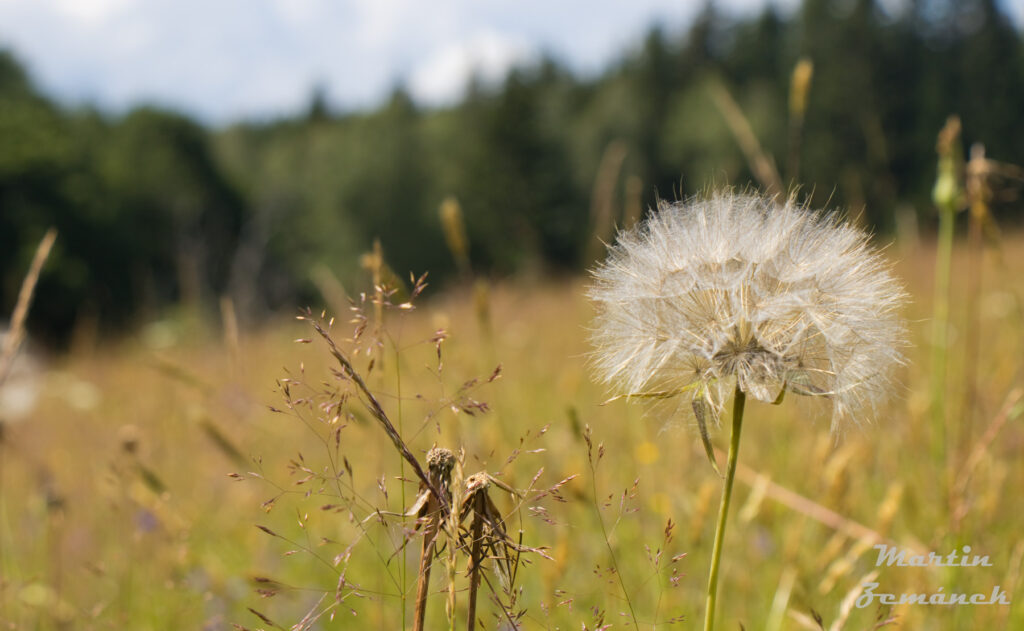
(427, 509)
(488, 540)
(454, 516)
(12, 341)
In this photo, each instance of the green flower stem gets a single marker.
(739, 399)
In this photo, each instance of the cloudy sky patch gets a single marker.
(229, 59)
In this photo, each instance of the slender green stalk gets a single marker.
(739, 399)
(401, 472)
(940, 326)
(608, 543)
(947, 195)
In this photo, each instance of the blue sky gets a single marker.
(226, 59)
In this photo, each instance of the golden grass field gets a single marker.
(117, 510)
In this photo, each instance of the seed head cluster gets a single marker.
(742, 289)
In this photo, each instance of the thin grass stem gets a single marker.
(947, 195)
(940, 338)
(608, 543)
(401, 471)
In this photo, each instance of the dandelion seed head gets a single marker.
(742, 289)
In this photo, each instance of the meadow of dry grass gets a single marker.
(117, 510)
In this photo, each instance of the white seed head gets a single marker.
(739, 288)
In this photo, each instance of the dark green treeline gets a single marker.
(154, 209)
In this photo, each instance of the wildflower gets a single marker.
(741, 289)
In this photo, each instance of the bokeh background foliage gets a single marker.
(154, 209)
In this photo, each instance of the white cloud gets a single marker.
(89, 11)
(230, 58)
(442, 77)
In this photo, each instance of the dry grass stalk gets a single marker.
(602, 212)
(388, 286)
(452, 527)
(850, 599)
(805, 621)
(482, 309)
(16, 333)
(816, 622)
(444, 501)
(634, 202)
(330, 288)
(799, 88)
(182, 374)
(817, 512)
(476, 530)
(454, 227)
(755, 500)
(1013, 576)
(832, 548)
(978, 196)
(487, 539)
(376, 265)
(983, 177)
(761, 164)
(427, 509)
(1010, 410)
(843, 565)
(781, 601)
(890, 505)
(222, 441)
(378, 413)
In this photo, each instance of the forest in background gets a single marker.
(155, 210)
